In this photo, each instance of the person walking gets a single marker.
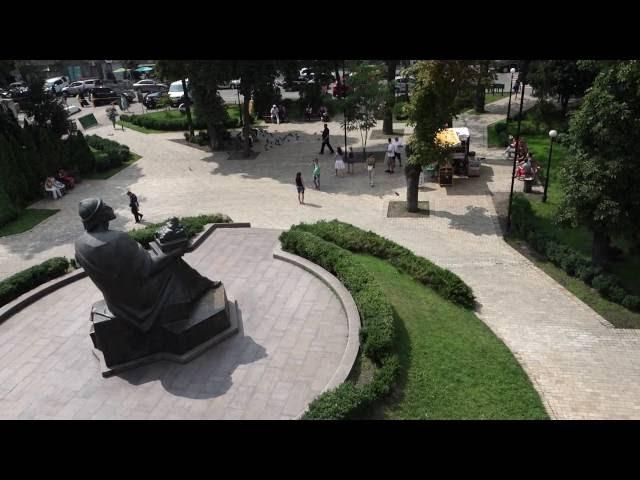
(300, 187)
(398, 147)
(371, 168)
(339, 165)
(325, 140)
(274, 115)
(391, 158)
(516, 88)
(350, 160)
(112, 114)
(124, 103)
(134, 205)
(316, 174)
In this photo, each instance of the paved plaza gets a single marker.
(293, 334)
(581, 366)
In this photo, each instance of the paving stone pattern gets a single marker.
(293, 335)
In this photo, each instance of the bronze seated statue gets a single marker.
(149, 297)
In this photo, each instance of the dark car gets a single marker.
(152, 99)
(104, 96)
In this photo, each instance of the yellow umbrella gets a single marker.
(448, 137)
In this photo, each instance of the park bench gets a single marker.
(495, 87)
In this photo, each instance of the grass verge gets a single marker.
(614, 313)
(452, 366)
(138, 128)
(27, 219)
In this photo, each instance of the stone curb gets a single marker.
(51, 286)
(350, 308)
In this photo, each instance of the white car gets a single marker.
(57, 83)
(235, 83)
(74, 88)
(71, 109)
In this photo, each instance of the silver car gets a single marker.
(148, 86)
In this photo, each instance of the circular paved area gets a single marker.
(293, 334)
(581, 366)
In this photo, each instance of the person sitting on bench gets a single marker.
(56, 188)
(64, 177)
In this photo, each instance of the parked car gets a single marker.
(150, 86)
(104, 96)
(71, 109)
(176, 93)
(84, 86)
(152, 99)
(403, 85)
(235, 83)
(57, 83)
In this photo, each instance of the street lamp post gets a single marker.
(239, 107)
(515, 158)
(512, 71)
(344, 94)
(552, 135)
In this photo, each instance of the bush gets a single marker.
(163, 122)
(116, 153)
(78, 154)
(573, 263)
(192, 225)
(398, 111)
(8, 211)
(443, 282)
(377, 330)
(632, 302)
(20, 283)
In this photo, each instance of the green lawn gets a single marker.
(27, 219)
(452, 365)
(614, 313)
(492, 97)
(133, 157)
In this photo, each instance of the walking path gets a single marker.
(582, 367)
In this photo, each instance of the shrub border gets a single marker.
(377, 332)
(572, 262)
(442, 281)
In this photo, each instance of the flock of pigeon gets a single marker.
(271, 140)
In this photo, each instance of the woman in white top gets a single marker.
(50, 185)
(339, 160)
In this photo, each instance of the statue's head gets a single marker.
(94, 213)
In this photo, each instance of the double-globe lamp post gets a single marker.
(512, 71)
(552, 136)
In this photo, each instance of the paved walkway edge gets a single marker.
(350, 308)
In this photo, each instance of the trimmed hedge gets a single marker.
(569, 260)
(116, 153)
(445, 283)
(376, 334)
(20, 283)
(172, 124)
(192, 226)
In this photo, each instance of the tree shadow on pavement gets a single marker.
(295, 151)
(476, 221)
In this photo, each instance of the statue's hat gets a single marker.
(88, 207)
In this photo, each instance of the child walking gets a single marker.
(300, 187)
(316, 174)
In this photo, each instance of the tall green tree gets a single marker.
(45, 110)
(599, 182)
(390, 100)
(366, 98)
(253, 75)
(561, 78)
(432, 104)
(173, 70)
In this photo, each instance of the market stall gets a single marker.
(462, 162)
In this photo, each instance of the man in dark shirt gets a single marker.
(133, 203)
(325, 140)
